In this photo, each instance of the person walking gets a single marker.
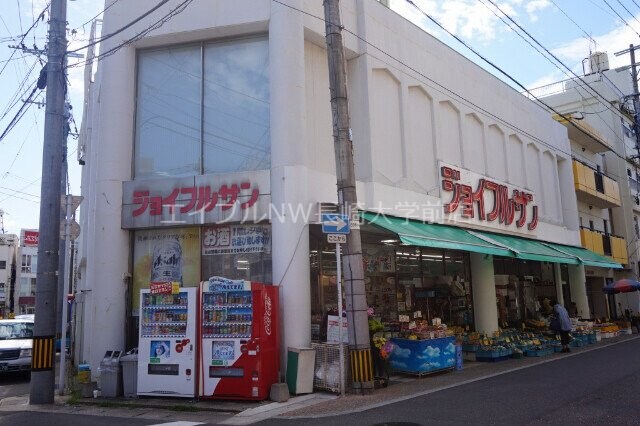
(561, 324)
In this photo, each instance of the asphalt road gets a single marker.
(596, 387)
(14, 384)
(31, 418)
(18, 384)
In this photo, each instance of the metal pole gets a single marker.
(43, 360)
(339, 285)
(356, 299)
(65, 289)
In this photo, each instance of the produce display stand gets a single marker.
(421, 357)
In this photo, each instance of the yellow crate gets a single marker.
(84, 376)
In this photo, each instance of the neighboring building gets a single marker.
(25, 292)
(606, 178)
(8, 249)
(223, 115)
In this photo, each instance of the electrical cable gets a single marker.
(574, 22)
(35, 22)
(621, 18)
(446, 91)
(625, 8)
(177, 10)
(121, 29)
(569, 121)
(102, 12)
(23, 109)
(578, 79)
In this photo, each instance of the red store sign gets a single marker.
(30, 238)
(192, 200)
(479, 199)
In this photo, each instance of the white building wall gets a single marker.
(404, 121)
(8, 249)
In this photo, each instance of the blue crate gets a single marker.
(538, 352)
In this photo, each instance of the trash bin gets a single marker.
(300, 368)
(129, 364)
(111, 374)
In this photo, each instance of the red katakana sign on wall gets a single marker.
(470, 197)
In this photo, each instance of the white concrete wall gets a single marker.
(403, 120)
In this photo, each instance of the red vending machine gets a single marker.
(238, 331)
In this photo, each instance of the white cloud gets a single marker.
(469, 19)
(573, 52)
(534, 6)
(401, 353)
(432, 352)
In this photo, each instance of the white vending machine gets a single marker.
(167, 346)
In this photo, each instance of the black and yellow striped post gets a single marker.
(42, 354)
(361, 370)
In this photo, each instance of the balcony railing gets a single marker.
(605, 244)
(594, 187)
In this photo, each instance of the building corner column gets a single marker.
(484, 293)
(289, 189)
(557, 277)
(578, 286)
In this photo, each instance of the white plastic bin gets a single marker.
(111, 374)
(129, 364)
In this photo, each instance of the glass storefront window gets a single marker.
(168, 113)
(203, 108)
(236, 106)
(398, 280)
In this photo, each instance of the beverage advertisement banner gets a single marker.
(236, 239)
(223, 352)
(160, 350)
(165, 255)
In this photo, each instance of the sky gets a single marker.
(570, 29)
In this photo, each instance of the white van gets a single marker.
(16, 341)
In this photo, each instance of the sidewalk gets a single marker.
(304, 406)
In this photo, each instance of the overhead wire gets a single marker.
(511, 78)
(24, 35)
(447, 91)
(159, 23)
(101, 12)
(574, 22)
(628, 11)
(121, 29)
(583, 84)
(621, 18)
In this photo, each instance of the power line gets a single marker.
(621, 18)
(625, 8)
(448, 91)
(101, 12)
(159, 23)
(574, 22)
(592, 91)
(23, 36)
(121, 29)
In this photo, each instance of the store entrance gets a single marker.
(521, 290)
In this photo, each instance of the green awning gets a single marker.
(585, 256)
(421, 234)
(523, 248)
(437, 236)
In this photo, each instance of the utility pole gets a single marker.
(44, 330)
(356, 299)
(636, 110)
